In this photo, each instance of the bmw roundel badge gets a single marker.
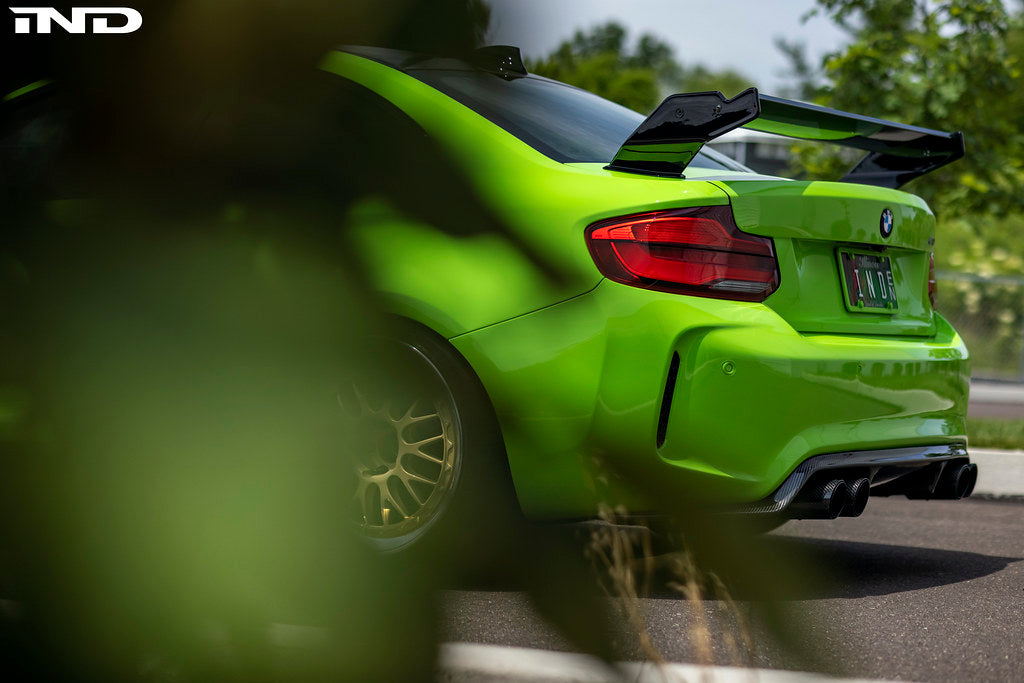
(885, 225)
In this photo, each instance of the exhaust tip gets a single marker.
(860, 489)
(966, 478)
(974, 480)
(836, 497)
(957, 482)
(823, 501)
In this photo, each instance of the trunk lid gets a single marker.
(813, 224)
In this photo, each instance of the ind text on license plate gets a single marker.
(867, 282)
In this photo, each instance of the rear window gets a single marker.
(565, 123)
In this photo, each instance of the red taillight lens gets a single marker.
(697, 251)
(933, 286)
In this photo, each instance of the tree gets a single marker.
(637, 76)
(949, 65)
(808, 78)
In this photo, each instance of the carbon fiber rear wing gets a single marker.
(667, 140)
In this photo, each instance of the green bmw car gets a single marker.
(763, 346)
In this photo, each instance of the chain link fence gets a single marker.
(988, 311)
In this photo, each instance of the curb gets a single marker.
(475, 663)
(1000, 473)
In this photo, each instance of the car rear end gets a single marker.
(842, 362)
(727, 350)
(759, 344)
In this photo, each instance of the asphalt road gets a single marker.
(912, 590)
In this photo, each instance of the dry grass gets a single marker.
(614, 551)
(628, 566)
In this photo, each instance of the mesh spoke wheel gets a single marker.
(406, 447)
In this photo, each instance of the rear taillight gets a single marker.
(697, 251)
(933, 286)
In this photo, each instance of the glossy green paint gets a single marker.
(577, 369)
(25, 90)
(809, 220)
(754, 397)
(460, 284)
(838, 212)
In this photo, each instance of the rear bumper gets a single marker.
(583, 394)
(878, 467)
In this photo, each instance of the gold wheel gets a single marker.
(405, 457)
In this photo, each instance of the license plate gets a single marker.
(867, 282)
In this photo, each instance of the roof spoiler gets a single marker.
(667, 140)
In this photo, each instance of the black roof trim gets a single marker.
(500, 60)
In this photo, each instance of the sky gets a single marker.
(719, 33)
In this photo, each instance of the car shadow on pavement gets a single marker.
(829, 568)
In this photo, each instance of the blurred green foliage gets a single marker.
(951, 65)
(636, 75)
(179, 301)
(986, 304)
(992, 433)
(989, 314)
(178, 305)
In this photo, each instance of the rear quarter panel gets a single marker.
(536, 258)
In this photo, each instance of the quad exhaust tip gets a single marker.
(860, 489)
(831, 499)
(824, 501)
(957, 482)
(839, 485)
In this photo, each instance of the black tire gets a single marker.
(472, 502)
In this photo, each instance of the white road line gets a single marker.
(474, 663)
